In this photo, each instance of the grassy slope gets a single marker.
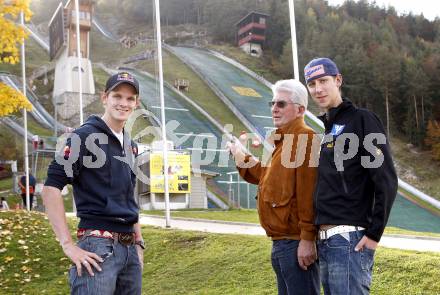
(198, 90)
(251, 216)
(257, 65)
(106, 51)
(36, 128)
(417, 168)
(5, 184)
(179, 262)
(35, 57)
(420, 164)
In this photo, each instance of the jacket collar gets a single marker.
(329, 117)
(289, 128)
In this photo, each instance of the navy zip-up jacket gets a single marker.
(103, 190)
(357, 195)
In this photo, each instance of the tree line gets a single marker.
(390, 62)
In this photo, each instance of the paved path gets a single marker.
(225, 227)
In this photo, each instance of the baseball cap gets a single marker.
(121, 78)
(320, 67)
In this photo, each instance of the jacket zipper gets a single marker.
(344, 184)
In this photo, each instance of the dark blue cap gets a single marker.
(121, 78)
(320, 67)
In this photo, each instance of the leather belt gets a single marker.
(126, 239)
(340, 229)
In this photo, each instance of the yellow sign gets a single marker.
(179, 173)
(244, 91)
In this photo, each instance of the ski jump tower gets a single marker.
(64, 51)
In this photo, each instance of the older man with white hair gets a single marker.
(285, 188)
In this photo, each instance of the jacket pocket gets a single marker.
(279, 220)
(278, 193)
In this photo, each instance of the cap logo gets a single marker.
(314, 71)
(125, 77)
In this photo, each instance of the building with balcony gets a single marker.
(251, 33)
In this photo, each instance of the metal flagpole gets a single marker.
(294, 42)
(26, 152)
(78, 52)
(238, 191)
(162, 113)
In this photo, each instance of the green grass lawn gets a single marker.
(6, 192)
(251, 216)
(182, 262)
(5, 184)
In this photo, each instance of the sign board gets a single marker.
(57, 37)
(179, 172)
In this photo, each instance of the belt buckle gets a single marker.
(126, 239)
(80, 233)
(323, 233)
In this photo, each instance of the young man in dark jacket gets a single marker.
(97, 160)
(356, 186)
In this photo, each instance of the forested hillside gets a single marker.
(386, 59)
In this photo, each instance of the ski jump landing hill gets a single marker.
(248, 94)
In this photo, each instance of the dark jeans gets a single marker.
(31, 199)
(291, 278)
(343, 270)
(121, 270)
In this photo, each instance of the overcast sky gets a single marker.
(429, 8)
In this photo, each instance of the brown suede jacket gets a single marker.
(286, 183)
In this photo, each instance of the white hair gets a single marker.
(298, 92)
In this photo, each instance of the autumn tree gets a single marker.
(12, 36)
(433, 138)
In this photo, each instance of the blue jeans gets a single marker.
(121, 270)
(343, 270)
(291, 278)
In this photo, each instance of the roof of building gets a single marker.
(252, 12)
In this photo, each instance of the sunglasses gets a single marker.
(279, 103)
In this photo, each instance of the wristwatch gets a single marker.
(140, 243)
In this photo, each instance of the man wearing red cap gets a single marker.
(356, 185)
(97, 160)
